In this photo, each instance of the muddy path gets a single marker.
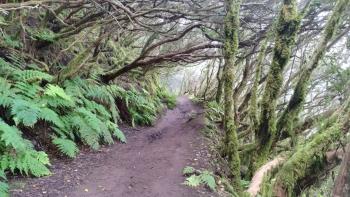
(149, 165)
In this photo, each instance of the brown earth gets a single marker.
(149, 165)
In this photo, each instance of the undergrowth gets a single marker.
(78, 112)
(197, 177)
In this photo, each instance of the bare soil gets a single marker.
(149, 165)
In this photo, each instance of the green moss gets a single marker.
(230, 50)
(302, 162)
(290, 115)
(73, 66)
(286, 30)
(253, 108)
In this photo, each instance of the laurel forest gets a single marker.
(272, 78)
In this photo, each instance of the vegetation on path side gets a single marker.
(274, 78)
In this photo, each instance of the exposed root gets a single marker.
(258, 177)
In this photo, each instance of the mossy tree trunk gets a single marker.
(253, 107)
(230, 50)
(290, 115)
(286, 31)
(309, 158)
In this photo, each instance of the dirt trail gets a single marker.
(149, 165)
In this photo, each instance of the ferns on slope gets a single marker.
(66, 146)
(4, 188)
(78, 111)
(73, 111)
(18, 153)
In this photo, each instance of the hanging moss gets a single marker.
(290, 115)
(230, 50)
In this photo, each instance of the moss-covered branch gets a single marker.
(290, 115)
(313, 154)
(301, 162)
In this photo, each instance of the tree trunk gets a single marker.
(230, 50)
(290, 115)
(342, 183)
(286, 30)
(220, 81)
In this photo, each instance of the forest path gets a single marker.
(149, 165)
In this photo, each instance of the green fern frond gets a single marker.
(8, 40)
(204, 177)
(31, 75)
(11, 137)
(116, 131)
(56, 91)
(106, 135)
(5, 93)
(193, 181)
(30, 91)
(4, 188)
(88, 135)
(97, 109)
(24, 112)
(50, 116)
(188, 170)
(42, 34)
(90, 119)
(208, 179)
(5, 67)
(66, 146)
(28, 162)
(16, 59)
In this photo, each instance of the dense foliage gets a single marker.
(274, 76)
(78, 111)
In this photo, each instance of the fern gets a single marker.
(66, 146)
(116, 131)
(188, 170)
(17, 60)
(31, 75)
(208, 179)
(24, 112)
(5, 93)
(88, 135)
(9, 41)
(56, 91)
(4, 188)
(28, 162)
(29, 113)
(205, 177)
(193, 181)
(27, 91)
(50, 116)
(96, 108)
(11, 137)
(104, 94)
